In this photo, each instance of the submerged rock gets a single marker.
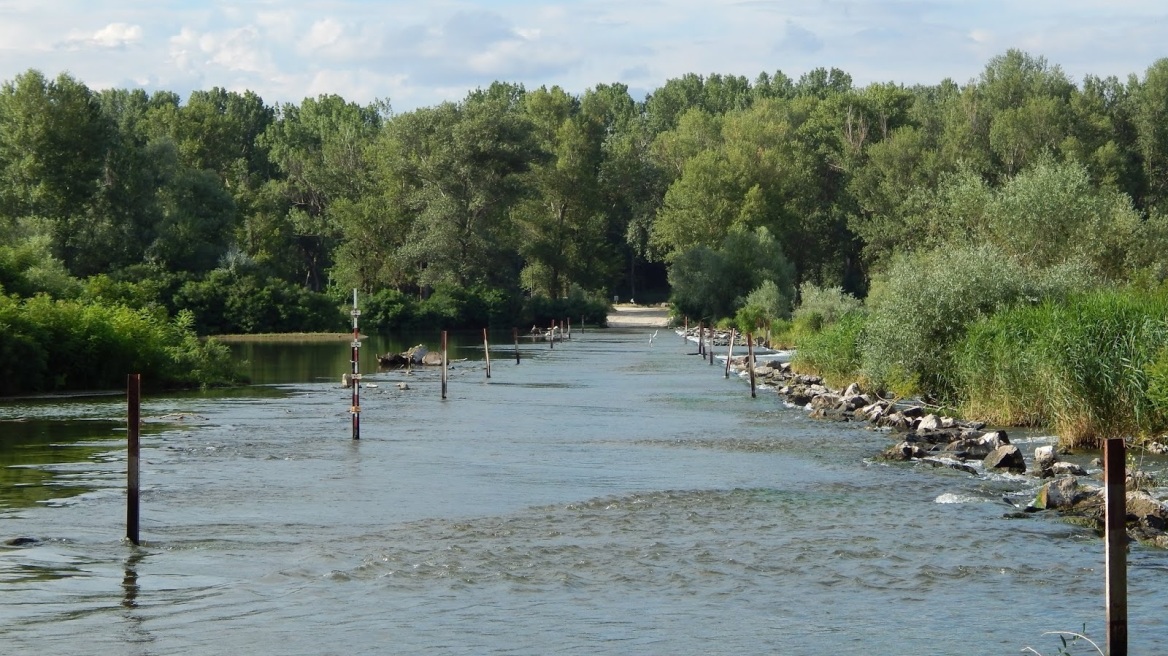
(951, 464)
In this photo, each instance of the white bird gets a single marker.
(652, 336)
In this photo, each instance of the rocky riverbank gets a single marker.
(919, 435)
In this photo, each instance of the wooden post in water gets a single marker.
(701, 336)
(710, 346)
(685, 333)
(568, 322)
(515, 336)
(729, 353)
(552, 336)
(355, 408)
(750, 362)
(444, 361)
(487, 352)
(1114, 477)
(133, 420)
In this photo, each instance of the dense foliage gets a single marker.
(942, 206)
(52, 345)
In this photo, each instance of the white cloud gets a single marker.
(114, 35)
(184, 49)
(981, 36)
(240, 49)
(323, 34)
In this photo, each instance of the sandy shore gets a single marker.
(626, 315)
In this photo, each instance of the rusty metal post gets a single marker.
(685, 333)
(133, 421)
(355, 408)
(515, 336)
(750, 362)
(701, 336)
(729, 353)
(568, 323)
(1115, 475)
(552, 336)
(444, 361)
(487, 352)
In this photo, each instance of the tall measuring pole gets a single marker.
(355, 409)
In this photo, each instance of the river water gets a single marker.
(602, 497)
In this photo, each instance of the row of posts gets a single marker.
(1114, 465)
(134, 387)
(708, 354)
(1114, 476)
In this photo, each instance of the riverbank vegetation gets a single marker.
(929, 240)
(53, 345)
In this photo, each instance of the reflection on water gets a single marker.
(295, 362)
(39, 458)
(130, 579)
(604, 498)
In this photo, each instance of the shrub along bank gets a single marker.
(56, 345)
(1090, 364)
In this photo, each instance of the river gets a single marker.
(606, 496)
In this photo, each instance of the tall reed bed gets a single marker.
(1092, 366)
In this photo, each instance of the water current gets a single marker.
(607, 496)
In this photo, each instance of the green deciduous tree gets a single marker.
(463, 165)
(53, 146)
(713, 283)
(319, 148)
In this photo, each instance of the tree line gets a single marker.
(722, 194)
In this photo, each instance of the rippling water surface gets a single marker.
(603, 497)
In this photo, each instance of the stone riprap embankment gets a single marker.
(919, 435)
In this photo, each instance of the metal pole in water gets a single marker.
(515, 336)
(133, 420)
(444, 361)
(487, 352)
(685, 333)
(750, 362)
(355, 408)
(568, 323)
(552, 336)
(702, 339)
(1114, 476)
(710, 347)
(729, 354)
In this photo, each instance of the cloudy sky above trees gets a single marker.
(420, 53)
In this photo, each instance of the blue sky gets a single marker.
(421, 52)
